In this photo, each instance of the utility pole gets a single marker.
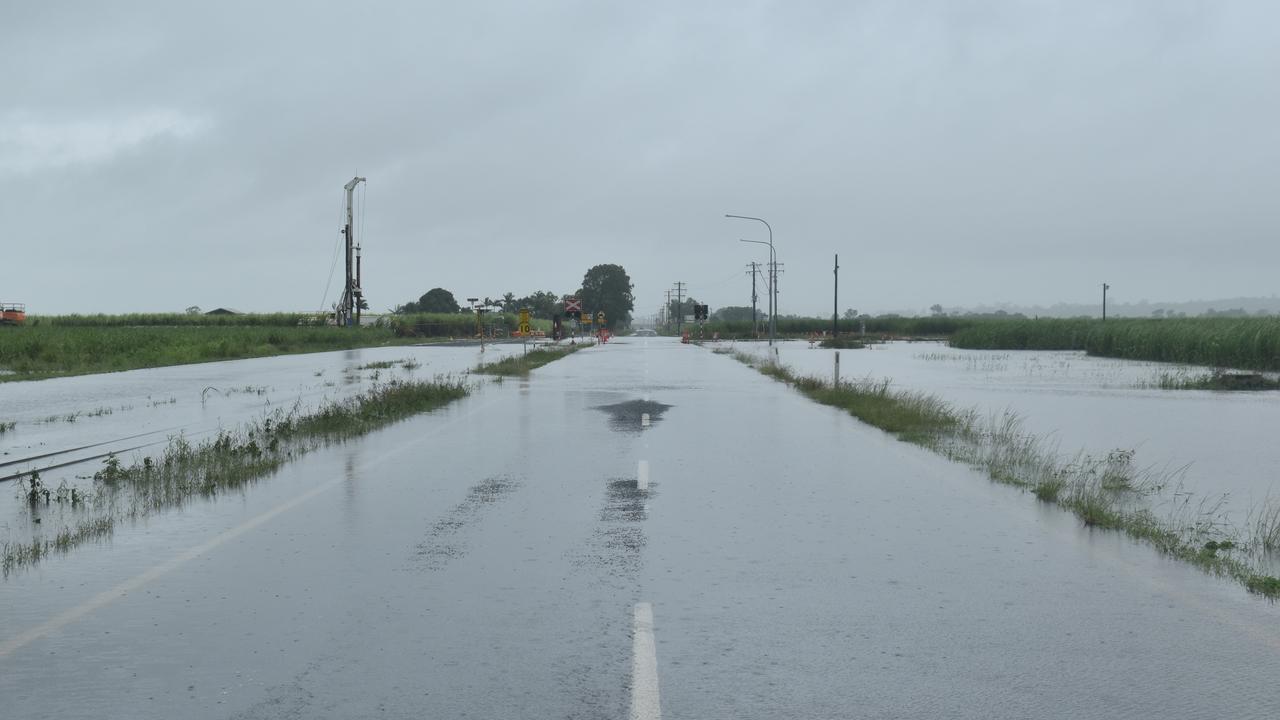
(348, 306)
(666, 313)
(835, 299)
(773, 288)
(755, 320)
(1105, 288)
(679, 306)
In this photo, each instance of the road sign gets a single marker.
(600, 317)
(572, 305)
(524, 321)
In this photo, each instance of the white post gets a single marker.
(837, 373)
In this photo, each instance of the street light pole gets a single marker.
(772, 280)
(773, 274)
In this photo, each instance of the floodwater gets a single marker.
(1210, 443)
(67, 427)
(143, 408)
(491, 559)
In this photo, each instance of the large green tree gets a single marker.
(435, 300)
(608, 288)
(542, 304)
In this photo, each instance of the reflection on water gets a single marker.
(633, 416)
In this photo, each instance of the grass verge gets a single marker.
(1105, 492)
(522, 365)
(52, 350)
(230, 461)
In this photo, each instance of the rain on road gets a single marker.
(640, 528)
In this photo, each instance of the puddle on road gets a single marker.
(625, 502)
(630, 416)
(443, 544)
(615, 546)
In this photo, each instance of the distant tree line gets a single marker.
(604, 288)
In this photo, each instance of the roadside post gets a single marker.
(524, 329)
(573, 309)
(475, 305)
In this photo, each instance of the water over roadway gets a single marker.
(495, 560)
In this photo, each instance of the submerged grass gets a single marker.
(1106, 492)
(230, 461)
(843, 342)
(1216, 380)
(522, 365)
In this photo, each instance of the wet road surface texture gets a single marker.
(637, 529)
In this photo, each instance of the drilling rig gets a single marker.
(349, 306)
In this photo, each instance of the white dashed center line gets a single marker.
(644, 666)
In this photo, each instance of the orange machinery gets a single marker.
(12, 313)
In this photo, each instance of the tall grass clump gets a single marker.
(1106, 492)
(1251, 343)
(229, 461)
(1265, 522)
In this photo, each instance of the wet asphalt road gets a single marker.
(487, 561)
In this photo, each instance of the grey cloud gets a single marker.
(951, 152)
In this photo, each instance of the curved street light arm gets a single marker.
(773, 269)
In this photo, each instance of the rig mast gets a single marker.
(349, 306)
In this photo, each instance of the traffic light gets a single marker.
(700, 312)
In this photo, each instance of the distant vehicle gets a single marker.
(646, 333)
(12, 313)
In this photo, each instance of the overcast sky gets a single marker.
(162, 154)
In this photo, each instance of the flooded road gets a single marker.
(639, 526)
